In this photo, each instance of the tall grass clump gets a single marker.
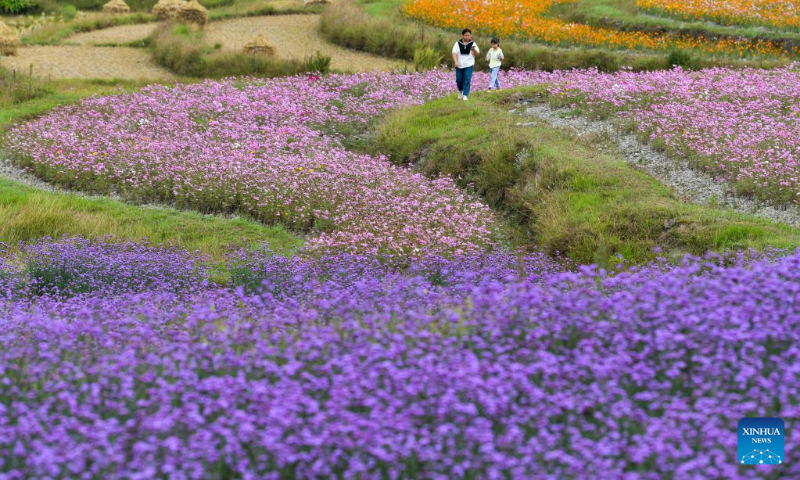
(17, 87)
(426, 58)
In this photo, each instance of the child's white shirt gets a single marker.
(494, 57)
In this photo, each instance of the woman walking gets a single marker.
(464, 53)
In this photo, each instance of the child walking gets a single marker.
(495, 58)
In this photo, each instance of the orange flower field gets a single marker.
(524, 18)
(779, 13)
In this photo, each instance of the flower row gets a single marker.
(777, 13)
(372, 374)
(524, 18)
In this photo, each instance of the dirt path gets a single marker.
(114, 35)
(294, 36)
(86, 62)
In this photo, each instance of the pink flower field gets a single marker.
(741, 125)
(272, 149)
(266, 148)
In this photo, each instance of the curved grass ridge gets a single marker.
(490, 377)
(268, 149)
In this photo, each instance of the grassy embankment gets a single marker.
(378, 27)
(562, 192)
(27, 213)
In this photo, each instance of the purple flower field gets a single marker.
(344, 367)
(400, 342)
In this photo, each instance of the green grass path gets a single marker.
(28, 214)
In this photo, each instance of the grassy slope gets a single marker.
(561, 192)
(55, 33)
(28, 214)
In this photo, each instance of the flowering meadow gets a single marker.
(777, 13)
(524, 19)
(353, 359)
(741, 125)
(344, 367)
(270, 149)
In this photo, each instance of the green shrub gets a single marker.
(69, 12)
(426, 58)
(16, 6)
(318, 63)
(679, 58)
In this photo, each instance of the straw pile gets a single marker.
(193, 12)
(259, 46)
(116, 7)
(9, 40)
(168, 9)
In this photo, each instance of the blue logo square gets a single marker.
(761, 441)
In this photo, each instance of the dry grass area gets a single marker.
(294, 36)
(86, 62)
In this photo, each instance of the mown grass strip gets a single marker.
(27, 214)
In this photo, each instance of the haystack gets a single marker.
(193, 12)
(9, 40)
(116, 7)
(168, 9)
(259, 46)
